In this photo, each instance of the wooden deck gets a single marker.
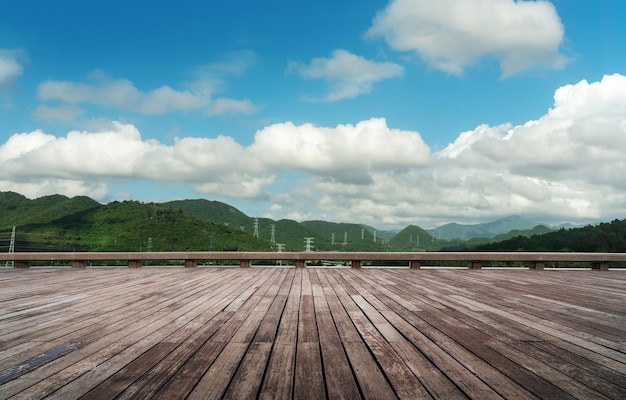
(280, 333)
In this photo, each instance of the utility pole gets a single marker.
(11, 247)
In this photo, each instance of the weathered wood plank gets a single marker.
(333, 333)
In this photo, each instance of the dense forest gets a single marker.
(59, 223)
(605, 237)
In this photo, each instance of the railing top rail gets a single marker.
(314, 256)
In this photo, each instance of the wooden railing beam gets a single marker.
(536, 260)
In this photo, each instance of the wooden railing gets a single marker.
(474, 260)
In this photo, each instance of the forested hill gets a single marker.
(57, 222)
(605, 237)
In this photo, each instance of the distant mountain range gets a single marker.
(485, 230)
(60, 223)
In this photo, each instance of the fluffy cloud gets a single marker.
(347, 74)
(10, 66)
(453, 34)
(566, 165)
(214, 165)
(346, 153)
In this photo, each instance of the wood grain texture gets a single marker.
(284, 333)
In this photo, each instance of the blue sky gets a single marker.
(385, 113)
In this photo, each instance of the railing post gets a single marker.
(538, 265)
(134, 263)
(79, 264)
(602, 266)
(191, 263)
(475, 265)
(300, 263)
(415, 264)
(244, 263)
(356, 264)
(20, 264)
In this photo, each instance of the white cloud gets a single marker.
(62, 114)
(122, 94)
(451, 35)
(565, 166)
(10, 66)
(230, 106)
(347, 74)
(346, 153)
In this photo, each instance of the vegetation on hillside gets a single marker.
(605, 237)
(122, 226)
(54, 223)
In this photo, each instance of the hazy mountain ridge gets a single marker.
(484, 230)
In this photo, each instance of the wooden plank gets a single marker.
(309, 379)
(216, 380)
(86, 365)
(247, 380)
(340, 380)
(280, 374)
(157, 377)
(457, 363)
(372, 382)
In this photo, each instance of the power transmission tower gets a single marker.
(280, 247)
(345, 238)
(332, 238)
(11, 247)
(256, 227)
(308, 244)
(212, 241)
(273, 233)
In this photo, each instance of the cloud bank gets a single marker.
(451, 35)
(566, 165)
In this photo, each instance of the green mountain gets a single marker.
(52, 224)
(16, 209)
(56, 222)
(485, 230)
(215, 211)
(288, 232)
(476, 242)
(605, 237)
